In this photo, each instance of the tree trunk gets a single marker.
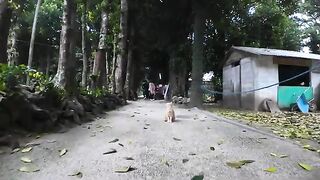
(114, 64)
(123, 56)
(108, 70)
(84, 78)
(197, 60)
(99, 70)
(177, 75)
(129, 90)
(65, 77)
(5, 16)
(48, 65)
(13, 49)
(33, 36)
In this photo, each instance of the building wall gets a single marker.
(315, 83)
(231, 84)
(247, 82)
(265, 74)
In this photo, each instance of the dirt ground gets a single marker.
(199, 143)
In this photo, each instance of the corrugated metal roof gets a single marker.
(276, 52)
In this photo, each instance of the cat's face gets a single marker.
(169, 105)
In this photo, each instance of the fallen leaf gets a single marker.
(77, 174)
(283, 156)
(25, 150)
(185, 160)
(192, 154)
(32, 144)
(38, 136)
(239, 164)
(235, 164)
(310, 148)
(164, 161)
(306, 166)
(120, 144)
(247, 161)
(129, 158)
(273, 154)
(63, 152)
(147, 124)
(177, 139)
(124, 169)
(29, 169)
(262, 138)
(133, 116)
(212, 148)
(25, 159)
(51, 141)
(107, 126)
(271, 169)
(111, 151)
(114, 141)
(15, 150)
(198, 177)
(98, 126)
(220, 142)
(145, 128)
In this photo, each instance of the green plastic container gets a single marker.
(288, 95)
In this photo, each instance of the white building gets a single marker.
(247, 68)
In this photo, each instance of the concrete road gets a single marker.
(157, 155)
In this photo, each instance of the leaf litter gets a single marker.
(77, 174)
(271, 169)
(306, 167)
(26, 150)
(124, 169)
(287, 124)
(63, 152)
(111, 151)
(114, 140)
(239, 164)
(29, 169)
(26, 160)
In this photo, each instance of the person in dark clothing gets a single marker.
(145, 88)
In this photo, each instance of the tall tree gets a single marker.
(114, 64)
(33, 37)
(65, 76)
(5, 16)
(197, 57)
(129, 89)
(123, 55)
(84, 77)
(99, 70)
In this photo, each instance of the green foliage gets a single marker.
(311, 9)
(13, 75)
(8, 74)
(95, 92)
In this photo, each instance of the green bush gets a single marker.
(11, 74)
(18, 75)
(94, 92)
